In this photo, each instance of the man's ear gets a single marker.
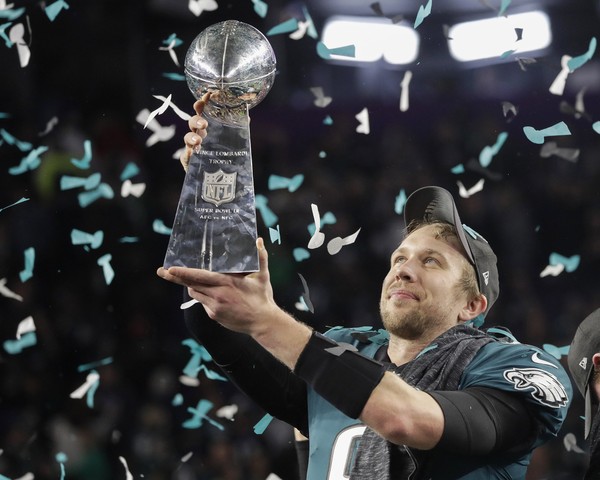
(474, 307)
(596, 360)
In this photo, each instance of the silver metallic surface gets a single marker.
(236, 63)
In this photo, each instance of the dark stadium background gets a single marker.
(98, 64)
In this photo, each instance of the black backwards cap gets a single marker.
(585, 343)
(437, 204)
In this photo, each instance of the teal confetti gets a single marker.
(275, 235)
(3, 35)
(424, 11)
(55, 8)
(21, 145)
(538, 136)
(172, 39)
(84, 162)
(89, 396)
(68, 182)
(505, 4)
(29, 162)
(94, 240)
(262, 424)
(322, 154)
(400, 202)
(300, 254)
(102, 191)
(27, 272)
(4, 115)
(13, 347)
(199, 415)
(328, 120)
(11, 14)
(89, 366)
(556, 352)
(570, 263)
(269, 218)
(177, 400)
(211, 374)
(326, 53)
(261, 8)
(288, 26)
(130, 171)
(276, 182)
(576, 62)
(311, 31)
(488, 152)
(458, 169)
(507, 54)
(23, 199)
(596, 126)
(158, 226)
(327, 219)
(61, 458)
(104, 262)
(174, 76)
(129, 239)
(199, 354)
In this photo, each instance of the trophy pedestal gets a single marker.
(215, 223)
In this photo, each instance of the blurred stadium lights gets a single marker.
(493, 37)
(373, 39)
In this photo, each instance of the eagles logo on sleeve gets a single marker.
(543, 386)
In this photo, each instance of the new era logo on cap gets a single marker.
(583, 363)
(486, 277)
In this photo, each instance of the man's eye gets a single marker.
(398, 260)
(431, 260)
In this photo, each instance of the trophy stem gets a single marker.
(215, 224)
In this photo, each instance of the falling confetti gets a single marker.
(262, 424)
(467, 193)
(94, 240)
(363, 119)
(404, 84)
(269, 218)
(134, 189)
(276, 182)
(27, 272)
(275, 235)
(577, 62)
(424, 11)
(317, 238)
(199, 6)
(489, 152)
(343, 51)
(538, 136)
(336, 244)
(107, 270)
(305, 297)
(23, 199)
(321, 100)
(54, 9)
(6, 292)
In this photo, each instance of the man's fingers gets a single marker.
(200, 104)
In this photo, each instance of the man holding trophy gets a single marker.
(431, 396)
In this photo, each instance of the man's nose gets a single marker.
(406, 271)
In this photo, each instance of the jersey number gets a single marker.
(343, 452)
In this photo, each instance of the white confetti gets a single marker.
(25, 326)
(318, 238)
(91, 379)
(6, 292)
(363, 118)
(404, 90)
(464, 193)
(336, 244)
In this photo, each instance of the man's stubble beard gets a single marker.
(412, 324)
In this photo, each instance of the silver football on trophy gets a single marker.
(236, 63)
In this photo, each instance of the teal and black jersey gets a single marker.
(532, 374)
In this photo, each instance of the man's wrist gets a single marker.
(338, 373)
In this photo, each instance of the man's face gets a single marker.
(421, 294)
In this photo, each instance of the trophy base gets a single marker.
(215, 223)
